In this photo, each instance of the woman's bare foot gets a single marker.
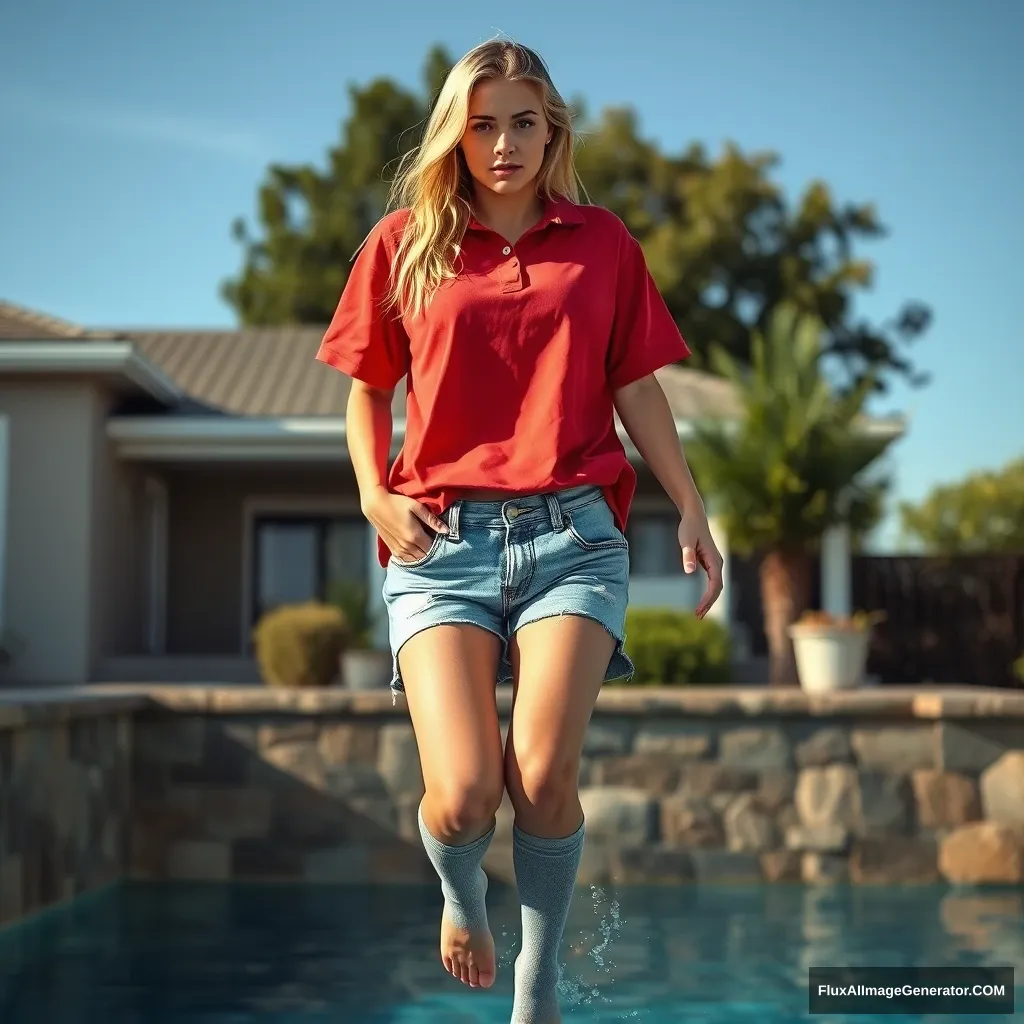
(468, 956)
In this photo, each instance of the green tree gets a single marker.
(797, 461)
(983, 513)
(724, 243)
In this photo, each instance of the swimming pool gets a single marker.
(233, 954)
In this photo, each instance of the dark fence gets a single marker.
(948, 620)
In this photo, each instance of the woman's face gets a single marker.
(505, 138)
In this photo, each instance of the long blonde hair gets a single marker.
(434, 183)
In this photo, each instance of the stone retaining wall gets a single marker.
(708, 786)
(713, 786)
(65, 802)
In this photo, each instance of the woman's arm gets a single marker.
(369, 427)
(647, 417)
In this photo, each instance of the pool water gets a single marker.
(233, 954)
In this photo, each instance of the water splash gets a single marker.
(575, 991)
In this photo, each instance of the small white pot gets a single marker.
(366, 669)
(829, 658)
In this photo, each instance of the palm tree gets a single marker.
(790, 467)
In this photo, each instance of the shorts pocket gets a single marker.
(432, 552)
(592, 527)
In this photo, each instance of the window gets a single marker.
(297, 557)
(654, 544)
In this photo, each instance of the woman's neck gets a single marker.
(510, 216)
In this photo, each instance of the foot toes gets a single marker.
(474, 975)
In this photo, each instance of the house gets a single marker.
(160, 488)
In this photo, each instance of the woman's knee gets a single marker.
(545, 785)
(462, 807)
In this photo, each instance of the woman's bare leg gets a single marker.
(448, 672)
(559, 665)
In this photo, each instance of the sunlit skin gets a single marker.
(503, 145)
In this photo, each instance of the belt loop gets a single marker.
(555, 511)
(453, 519)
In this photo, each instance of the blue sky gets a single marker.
(134, 134)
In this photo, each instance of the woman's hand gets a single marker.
(400, 521)
(698, 547)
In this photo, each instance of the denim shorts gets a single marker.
(504, 564)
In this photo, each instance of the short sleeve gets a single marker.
(644, 335)
(365, 339)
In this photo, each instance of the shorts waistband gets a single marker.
(525, 509)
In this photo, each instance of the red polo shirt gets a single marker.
(513, 367)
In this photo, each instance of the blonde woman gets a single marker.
(523, 321)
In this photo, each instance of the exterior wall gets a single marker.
(65, 800)
(677, 787)
(119, 550)
(206, 541)
(72, 588)
(49, 597)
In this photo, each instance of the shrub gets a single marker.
(671, 648)
(300, 644)
(1018, 668)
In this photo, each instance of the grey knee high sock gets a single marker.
(463, 882)
(545, 877)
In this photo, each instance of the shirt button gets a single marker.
(506, 250)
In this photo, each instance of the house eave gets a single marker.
(119, 359)
(315, 438)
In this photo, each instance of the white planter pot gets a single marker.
(366, 669)
(828, 658)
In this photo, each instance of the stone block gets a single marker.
(747, 826)
(407, 826)
(348, 864)
(673, 740)
(755, 748)
(299, 730)
(1002, 789)
(353, 780)
(705, 778)
(726, 867)
(236, 813)
(348, 743)
(944, 799)
(819, 838)
(651, 865)
(298, 759)
(377, 812)
(398, 760)
(171, 740)
(828, 796)
(400, 864)
(896, 750)
(629, 816)
(781, 866)
(307, 816)
(690, 821)
(199, 860)
(775, 788)
(895, 860)
(886, 803)
(657, 773)
(595, 863)
(972, 748)
(824, 746)
(823, 868)
(983, 852)
(607, 737)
